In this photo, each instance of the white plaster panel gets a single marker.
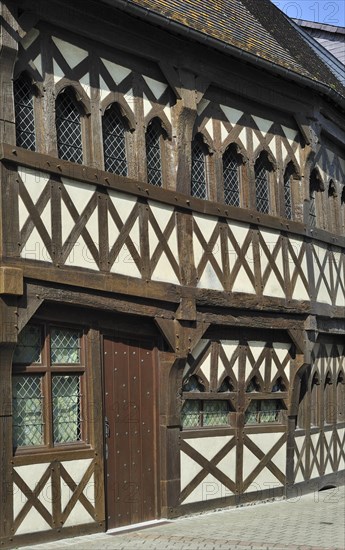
(167, 111)
(80, 193)
(273, 146)
(35, 249)
(228, 464)
(92, 227)
(243, 137)
(209, 279)
(125, 265)
(117, 72)
(199, 348)
(256, 349)
(233, 115)
(29, 38)
(23, 213)
(242, 282)
(57, 71)
(78, 516)
(264, 480)
(189, 469)
(47, 218)
(256, 141)
(162, 213)
(164, 272)
(146, 105)
(284, 152)
(206, 367)
(207, 225)
(33, 523)
(156, 87)
(19, 499)
(130, 99)
(341, 449)
(80, 256)
(202, 105)
(76, 469)
(229, 347)
(124, 204)
(209, 127)
(72, 54)
(300, 292)
(282, 351)
(250, 462)
(67, 222)
(290, 134)
(209, 489)
(34, 182)
(104, 88)
(38, 63)
(85, 83)
(323, 294)
(208, 447)
(223, 132)
(263, 124)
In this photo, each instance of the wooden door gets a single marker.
(130, 418)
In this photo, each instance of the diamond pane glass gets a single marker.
(231, 178)
(66, 408)
(215, 413)
(28, 348)
(190, 414)
(68, 129)
(198, 182)
(153, 154)
(263, 411)
(114, 142)
(287, 196)
(262, 189)
(24, 114)
(64, 346)
(27, 410)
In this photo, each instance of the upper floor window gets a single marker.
(262, 170)
(68, 127)
(49, 387)
(24, 113)
(315, 186)
(154, 146)
(114, 141)
(231, 176)
(199, 169)
(288, 177)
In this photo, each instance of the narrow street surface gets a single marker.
(313, 522)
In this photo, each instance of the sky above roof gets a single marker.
(320, 11)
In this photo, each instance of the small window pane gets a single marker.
(66, 408)
(24, 114)
(262, 187)
(198, 183)
(64, 346)
(68, 129)
(287, 195)
(114, 142)
(215, 413)
(231, 178)
(190, 416)
(28, 349)
(27, 410)
(153, 154)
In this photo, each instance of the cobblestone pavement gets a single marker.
(312, 522)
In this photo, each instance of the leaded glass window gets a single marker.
(66, 408)
(28, 349)
(287, 194)
(208, 413)
(262, 169)
(27, 410)
(24, 114)
(64, 346)
(154, 138)
(114, 142)
(48, 387)
(231, 177)
(261, 411)
(190, 414)
(199, 179)
(68, 128)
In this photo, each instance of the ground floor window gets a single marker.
(197, 413)
(48, 387)
(261, 411)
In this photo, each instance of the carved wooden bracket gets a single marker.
(182, 336)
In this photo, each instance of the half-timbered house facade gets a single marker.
(172, 272)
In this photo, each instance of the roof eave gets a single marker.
(157, 19)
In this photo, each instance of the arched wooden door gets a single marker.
(130, 399)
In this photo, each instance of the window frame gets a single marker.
(84, 133)
(47, 370)
(34, 94)
(157, 124)
(198, 141)
(269, 169)
(114, 106)
(237, 157)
